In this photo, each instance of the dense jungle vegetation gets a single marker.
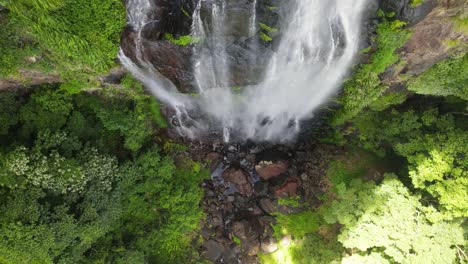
(87, 177)
(84, 176)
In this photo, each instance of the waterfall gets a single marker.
(253, 19)
(318, 43)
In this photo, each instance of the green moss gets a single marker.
(236, 240)
(297, 225)
(185, 12)
(387, 100)
(460, 24)
(366, 50)
(182, 40)
(364, 86)
(265, 37)
(415, 3)
(452, 43)
(292, 201)
(268, 28)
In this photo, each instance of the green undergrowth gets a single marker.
(387, 100)
(83, 180)
(364, 86)
(433, 144)
(290, 201)
(182, 40)
(77, 39)
(448, 77)
(334, 137)
(15, 52)
(415, 3)
(460, 23)
(366, 220)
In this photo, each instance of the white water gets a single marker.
(253, 19)
(319, 41)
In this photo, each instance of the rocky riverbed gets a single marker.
(245, 190)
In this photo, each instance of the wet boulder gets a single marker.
(249, 232)
(239, 178)
(271, 169)
(212, 250)
(289, 188)
(268, 245)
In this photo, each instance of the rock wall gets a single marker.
(175, 17)
(431, 41)
(428, 21)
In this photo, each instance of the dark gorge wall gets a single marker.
(171, 21)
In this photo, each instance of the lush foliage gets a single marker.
(434, 147)
(79, 38)
(448, 77)
(82, 181)
(361, 221)
(389, 221)
(182, 40)
(364, 87)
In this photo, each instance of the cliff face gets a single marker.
(174, 19)
(434, 38)
(431, 24)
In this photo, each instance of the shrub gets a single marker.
(364, 86)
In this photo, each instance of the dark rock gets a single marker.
(239, 178)
(114, 76)
(246, 259)
(206, 232)
(213, 159)
(235, 176)
(245, 189)
(267, 205)
(172, 61)
(231, 255)
(261, 187)
(405, 12)
(35, 79)
(249, 233)
(217, 219)
(427, 45)
(213, 250)
(288, 188)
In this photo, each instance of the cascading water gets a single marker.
(253, 19)
(319, 40)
